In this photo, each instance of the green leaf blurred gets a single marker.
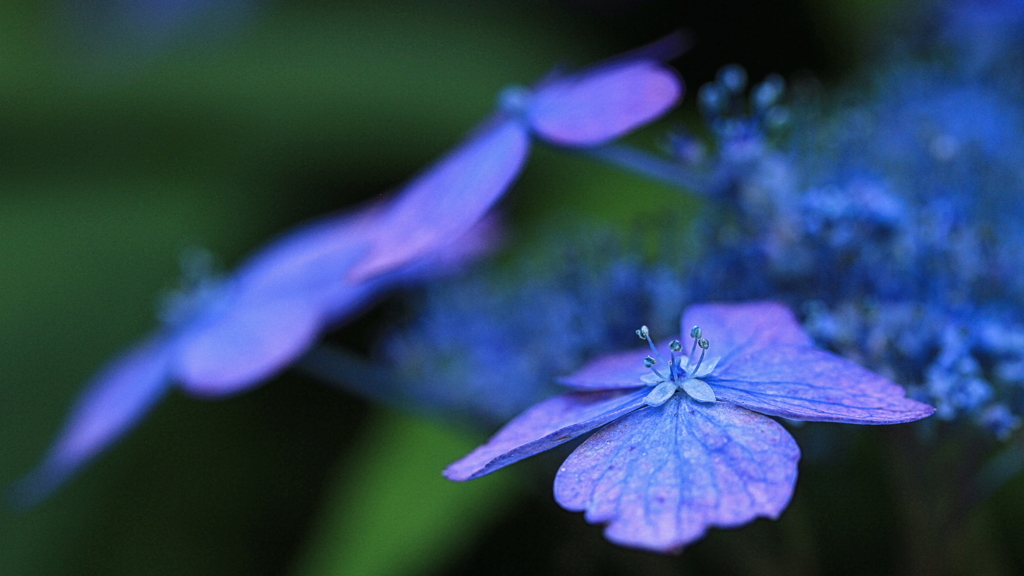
(391, 511)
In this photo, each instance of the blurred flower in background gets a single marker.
(229, 335)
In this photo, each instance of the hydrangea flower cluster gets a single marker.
(557, 310)
(891, 227)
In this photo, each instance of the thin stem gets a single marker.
(701, 359)
(646, 164)
(655, 350)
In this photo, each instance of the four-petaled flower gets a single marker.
(274, 307)
(683, 448)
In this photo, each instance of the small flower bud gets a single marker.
(733, 78)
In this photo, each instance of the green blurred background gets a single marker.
(124, 141)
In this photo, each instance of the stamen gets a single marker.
(695, 334)
(674, 369)
(650, 362)
(645, 334)
(704, 344)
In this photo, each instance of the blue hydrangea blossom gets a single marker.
(586, 109)
(230, 337)
(682, 444)
(891, 225)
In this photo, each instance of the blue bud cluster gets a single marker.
(893, 226)
(490, 344)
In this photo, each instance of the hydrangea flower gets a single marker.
(586, 109)
(229, 337)
(682, 444)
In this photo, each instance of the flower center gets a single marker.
(515, 99)
(683, 372)
(199, 287)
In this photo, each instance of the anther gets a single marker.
(703, 343)
(675, 345)
(648, 362)
(645, 334)
(695, 334)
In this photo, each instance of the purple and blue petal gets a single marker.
(544, 426)
(287, 295)
(444, 202)
(274, 308)
(659, 478)
(739, 328)
(805, 383)
(113, 402)
(248, 343)
(619, 370)
(598, 106)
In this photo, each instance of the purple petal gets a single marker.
(660, 478)
(595, 107)
(250, 342)
(545, 426)
(281, 300)
(313, 253)
(619, 370)
(810, 384)
(112, 403)
(274, 308)
(739, 328)
(441, 204)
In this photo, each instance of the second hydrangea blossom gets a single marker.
(683, 447)
(228, 339)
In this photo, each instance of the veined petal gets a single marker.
(739, 328)
(545, 426)
(594, 107)
(619, 370)
(659, 478)
(812, 384)
(441, 204)
(113, 402)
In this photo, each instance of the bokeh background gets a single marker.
(134, 130)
